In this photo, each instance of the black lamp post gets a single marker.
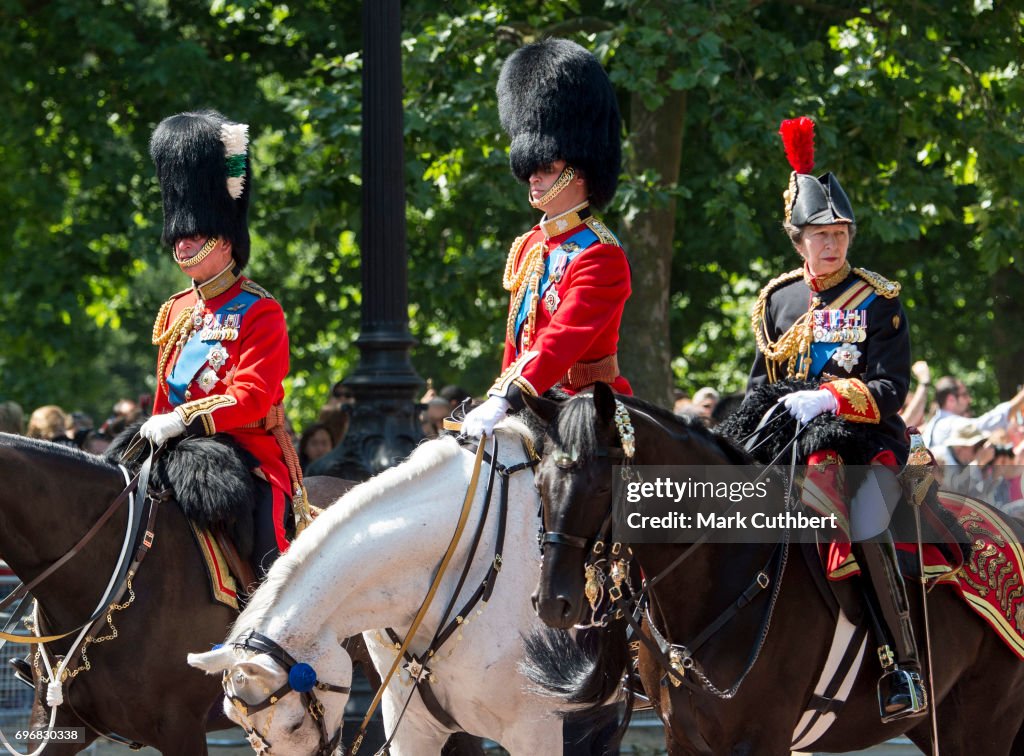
(384, 427)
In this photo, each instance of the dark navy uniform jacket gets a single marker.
(847, 330)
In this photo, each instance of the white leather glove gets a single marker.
(161, 428)
(485, 417)
(807, 405)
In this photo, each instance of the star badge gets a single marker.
(846, 356)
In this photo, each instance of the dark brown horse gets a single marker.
(139, 684)
(979, 682)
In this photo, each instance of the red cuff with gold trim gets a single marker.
(856, 403)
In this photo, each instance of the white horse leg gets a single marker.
(416, 735)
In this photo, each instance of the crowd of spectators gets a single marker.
(52, 423)
(976, 454)
(979, 455)
(77, 429)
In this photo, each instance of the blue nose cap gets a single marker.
(301, 678)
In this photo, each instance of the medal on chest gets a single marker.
(551, 301)
(840, 326)
(847, 356)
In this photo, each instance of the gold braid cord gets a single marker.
(526, 276)
(302, 510)
(172, 339)
(793, 344)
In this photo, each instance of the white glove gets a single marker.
(807, 405)
(161, 428)
(485, 417)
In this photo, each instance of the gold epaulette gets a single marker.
(604, 235)
(254, 288)
(883, 286)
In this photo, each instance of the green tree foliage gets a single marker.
(917, 104)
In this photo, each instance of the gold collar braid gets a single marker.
(219, 283)
(824, 283)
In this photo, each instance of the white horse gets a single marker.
(367, 562)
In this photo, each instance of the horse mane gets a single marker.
(425, 457)
(576, 430)
(693, 425)
(52, 448)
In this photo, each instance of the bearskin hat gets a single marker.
(202, 163)
(810, 201)
(556, 102)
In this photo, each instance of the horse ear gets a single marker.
(545, 409)
(604, 402)
(212, 662)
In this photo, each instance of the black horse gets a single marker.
(978, 682)
(138, 684)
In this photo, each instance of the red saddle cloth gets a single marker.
(990, 579)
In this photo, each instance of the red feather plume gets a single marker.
(798, 139)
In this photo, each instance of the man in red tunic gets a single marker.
(223, 344)
(568, 276)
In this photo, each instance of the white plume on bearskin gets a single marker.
(236, 142)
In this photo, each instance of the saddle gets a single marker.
(967, 544)
(213, 486)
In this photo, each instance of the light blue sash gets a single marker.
(568, 250)
(193, 354)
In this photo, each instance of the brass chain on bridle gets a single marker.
(603, 564)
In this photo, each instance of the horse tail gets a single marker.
(583, 670)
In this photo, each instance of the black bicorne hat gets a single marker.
(810, 200)
(556, 103)
(202, 163)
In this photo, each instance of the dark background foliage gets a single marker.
(918, 109)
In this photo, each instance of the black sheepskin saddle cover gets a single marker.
(209, 476)
(853, 441)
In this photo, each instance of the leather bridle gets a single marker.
(618, 556)
(675, 659)
(302, 679)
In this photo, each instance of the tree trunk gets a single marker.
(657, 140)
(1007, 326)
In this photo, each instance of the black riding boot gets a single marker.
(900, 691)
